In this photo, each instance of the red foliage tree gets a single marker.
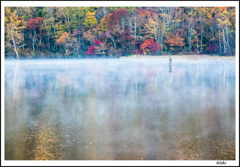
(97, 42)
(92, 50)
(149, 46)
(156, 47)
(34, 24)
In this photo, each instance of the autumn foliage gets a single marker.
(115, 17)
(91, 50)
(174, 40)
(119, 31)
(149, 46)
(98, 48)
(34, 24)
(63, 39)
(97, 42)
(90, 19)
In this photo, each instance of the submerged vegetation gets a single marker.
(79, 32)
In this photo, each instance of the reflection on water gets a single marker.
(119, 109)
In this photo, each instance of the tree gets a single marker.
(104, 23)
(90, 20)
(195, 39)
(101, 12)
(134, 23)
(64, 14)
(64, 40)
(123, 30)
(174, 40)
(25, 12)
(89, 36)
(149, 46)
(99, 48)
(35, 26)
(50, 28)
(190, 26)
(14, 31)
(108, 35)
(75, 41)
(127, 40)
(223, 25)
(201, 12)
(118, 19)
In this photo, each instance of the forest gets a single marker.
(110, 32)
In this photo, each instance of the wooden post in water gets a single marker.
(170, 63)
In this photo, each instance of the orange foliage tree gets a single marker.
(65, 41)
(174, 40)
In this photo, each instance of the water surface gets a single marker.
(121, 109)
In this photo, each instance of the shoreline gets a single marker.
(188, 57)
(192, 57)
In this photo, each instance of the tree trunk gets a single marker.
(33, 39)
(49, 43)
(227, 41)
(224, 42)
(135, 31)
(201, 34)
(14, 43)
(113, 42)
(219, 42)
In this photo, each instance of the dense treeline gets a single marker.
(113, 31)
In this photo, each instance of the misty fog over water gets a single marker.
(128, 109)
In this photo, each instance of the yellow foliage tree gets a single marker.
(14, 31)
(90, 19)
(104, 22)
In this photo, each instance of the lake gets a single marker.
(120, 109)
